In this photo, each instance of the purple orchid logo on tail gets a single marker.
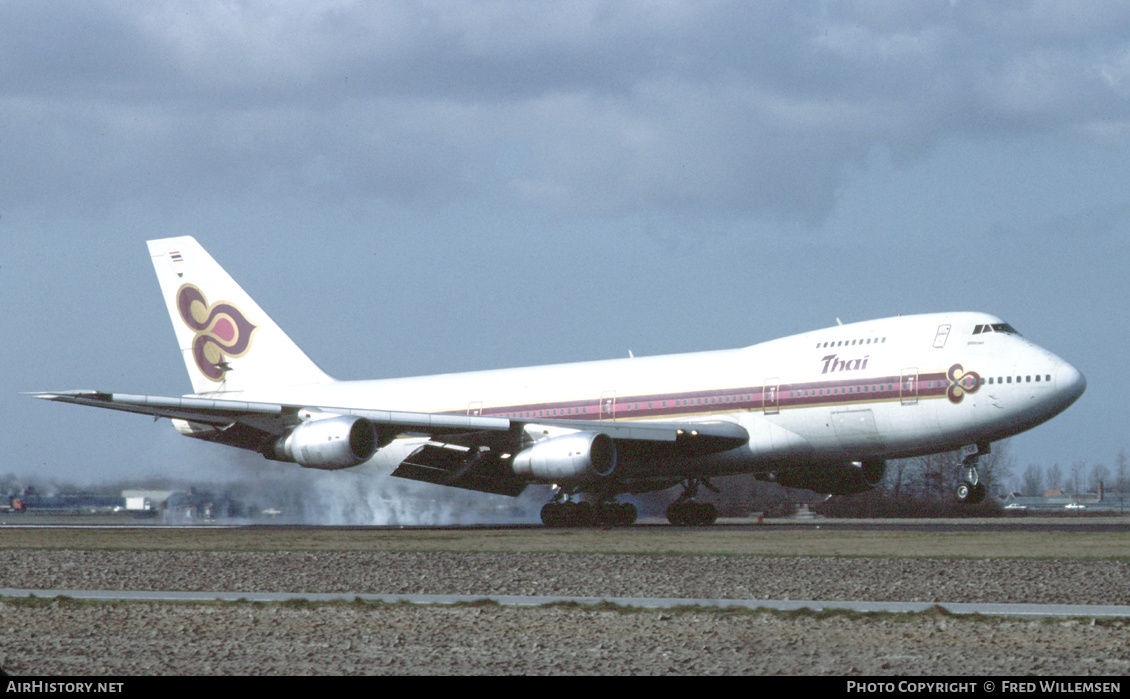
(221, 330)
(961, 382)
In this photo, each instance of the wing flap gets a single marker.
(470, 469)
(679, 438)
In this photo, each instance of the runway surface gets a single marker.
(1090, 523)
(1010, 610)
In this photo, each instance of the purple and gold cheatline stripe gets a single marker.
(952, 384)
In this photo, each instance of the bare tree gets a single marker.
(934, 475)
(995, 468)
(1123, 469)
(1032, 482)
(1055, 477)
(896, 481)
(1099, 478)
(1077, 480)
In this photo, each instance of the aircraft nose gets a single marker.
(1069, 382)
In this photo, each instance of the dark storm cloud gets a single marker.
(711, 109)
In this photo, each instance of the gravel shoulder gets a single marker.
(59, 636)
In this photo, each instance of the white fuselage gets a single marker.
(879, 389)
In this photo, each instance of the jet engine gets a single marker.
(329, 443)
(846, 478)
(576, 457)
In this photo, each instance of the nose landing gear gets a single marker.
(971, 490)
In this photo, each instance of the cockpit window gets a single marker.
(995, 328)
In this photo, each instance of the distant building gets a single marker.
(146, 500)
(1057, 501)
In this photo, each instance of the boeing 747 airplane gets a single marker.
(822, 410)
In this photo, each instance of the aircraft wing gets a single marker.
(210, 411)
(462, 451)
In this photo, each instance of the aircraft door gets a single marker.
(908, 388)
(942, 336)
(770, 399)
(608, 405)
(475, 408)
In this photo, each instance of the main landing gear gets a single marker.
(564, 511)
(971, 490)
(581, 513)
(685, 511)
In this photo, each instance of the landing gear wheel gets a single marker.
(572, 513)
(691, 513)
(964, 492)
(552, 515)
(979, 492)
(970, 493)
(685, 511)
(562, 514)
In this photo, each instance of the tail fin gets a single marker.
(228, 342)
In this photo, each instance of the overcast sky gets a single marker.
(413, 188)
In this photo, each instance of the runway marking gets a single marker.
(958, 608)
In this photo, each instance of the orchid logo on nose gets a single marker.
(221, 330)
(961, 382)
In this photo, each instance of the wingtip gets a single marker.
(59, 395)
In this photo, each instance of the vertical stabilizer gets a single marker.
(228, 342)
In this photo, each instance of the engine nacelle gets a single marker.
(329, 444)
(571, 458)
(846, 478)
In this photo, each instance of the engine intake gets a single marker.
(846, 478)
(571, 458)
(328, 444)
